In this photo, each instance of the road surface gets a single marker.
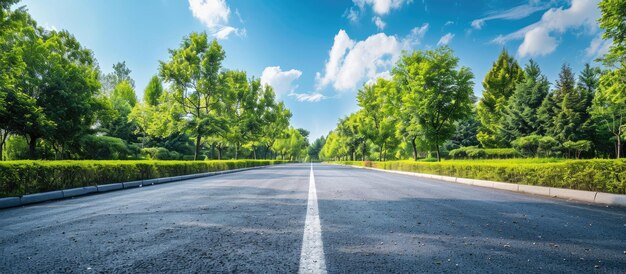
(334, 219)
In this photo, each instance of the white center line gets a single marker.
(312, 254)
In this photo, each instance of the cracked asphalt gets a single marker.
(371, 222)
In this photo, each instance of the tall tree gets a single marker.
(569, 113)
(373, 99)
(609, 106)
(499, 84)
(437, 92)
(193, 71)
(153, 91)
(520, 117)
(242, 107)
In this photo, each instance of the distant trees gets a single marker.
(56, 104)
(429, 103)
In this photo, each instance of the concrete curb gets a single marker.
(8, 202)
(592, 197)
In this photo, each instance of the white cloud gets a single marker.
(444, 40)
(352, 62)
(214, 14)
(380, 24)
(381, 7)
(539, 37)
(352, 14)
(309, 97)
(598, 47)
(281, 81)
(448, 23)
(519, 12)
(537, 42)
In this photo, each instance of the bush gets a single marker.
(483, 153)
(26, 177)
(593, 175)
(160, 153)
(103, 147)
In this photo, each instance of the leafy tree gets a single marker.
(193, 71)
(242, 108)
(437, 92)
(527, 145)
(153, 91)
(520, 117)
(587, 85)
(609, 106)
(316, 148)
(124, 91)
(380, 126)
(499, 84)
(613, 21)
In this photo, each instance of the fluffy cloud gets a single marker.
(214, 14)
(539, 38)
(444, 40)
(352, 62)
(281, 81)
(537, 42)
(381, 7)
(380, 24)
(519, 12)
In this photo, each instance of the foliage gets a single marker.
(483, 153)
(574, 174)
(499, 84)
(613, 21)
(26, 177)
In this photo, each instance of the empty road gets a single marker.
(320, 218)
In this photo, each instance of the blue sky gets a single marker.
(317, 54)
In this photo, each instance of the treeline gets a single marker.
(428, 108)
(55, 103)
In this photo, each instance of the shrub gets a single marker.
(578, 147)
(103, 147)
(593, 175)
(25, 177)
(483, 153)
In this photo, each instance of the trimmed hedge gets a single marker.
(26, 177)
(593, 175)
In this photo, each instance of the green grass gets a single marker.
(26, 177)
(593, 175)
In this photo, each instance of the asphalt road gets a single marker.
(369, 221)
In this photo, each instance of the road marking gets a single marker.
(312, 253)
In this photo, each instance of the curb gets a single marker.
(592, 197)
(8, 202)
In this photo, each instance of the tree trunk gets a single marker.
(254, 152)
(32, 144)
(3, 139)
(438, 154)
(619, 146)
(414, 146)
(236, 151)
(363, 151)
(197, 152)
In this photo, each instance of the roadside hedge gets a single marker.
(484, 153)
(26, 177)
(593, 175)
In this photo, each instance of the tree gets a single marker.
(609, 106)
(153, 91)
(578, 147)
(520, 117)
(568, 120)
(373, 99)
(125, 92)
(241, 108)
(193, 71)
(613, 21)
(436, 92)
(316, 148)
(499, 84)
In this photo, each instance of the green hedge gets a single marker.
(593, 175)
(26, 177)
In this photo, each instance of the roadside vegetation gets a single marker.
(57, 104)
(427, 110)
(604, 175)
(26, 177)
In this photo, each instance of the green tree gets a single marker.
(436, 92)
(499, 84)
(609, 106)
(613, 21)
(373, 99)
(568, 120)
(316, 148)
(242, 108)
(153, 91)
(194, 71)
(520, 118)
